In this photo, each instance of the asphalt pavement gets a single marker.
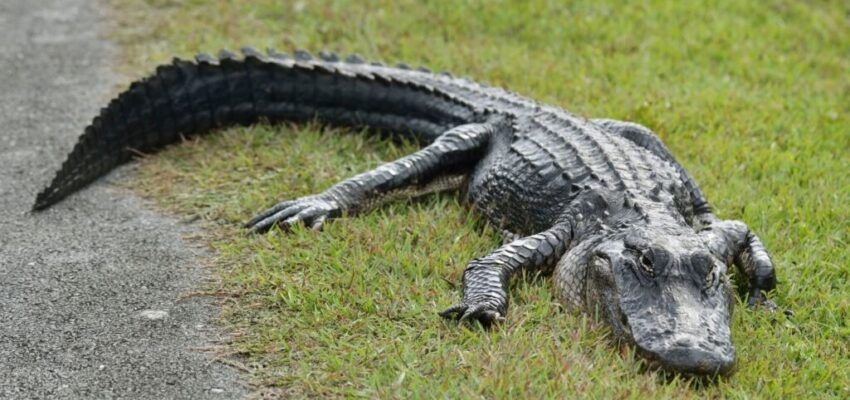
(91, 290)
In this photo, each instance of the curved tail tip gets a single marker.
(44, 200)
(39, 206)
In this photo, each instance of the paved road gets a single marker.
(90, 289)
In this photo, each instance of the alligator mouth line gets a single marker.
(651, 364)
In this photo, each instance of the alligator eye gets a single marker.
(645, 263)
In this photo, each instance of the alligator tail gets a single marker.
(185, 98)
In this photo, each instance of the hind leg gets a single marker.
(441, 165)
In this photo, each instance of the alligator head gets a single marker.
(661, 291)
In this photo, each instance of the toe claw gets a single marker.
(470, 313)
(313, 211)
(494, 316)
(269, 212)
(265, 224)
(318, 223)
(769, 305)
(759, 300)
(289, 222)
(453, 311)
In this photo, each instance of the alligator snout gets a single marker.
(686, 356)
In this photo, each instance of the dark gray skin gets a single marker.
(601, 205)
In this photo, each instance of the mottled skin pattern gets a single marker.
(601, 205)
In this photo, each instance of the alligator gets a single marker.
(600, 205)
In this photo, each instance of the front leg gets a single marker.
(436, 167)
(733, 241)
(485, 280)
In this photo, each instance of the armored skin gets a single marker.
(601, 205)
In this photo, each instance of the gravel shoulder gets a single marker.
(90, 290)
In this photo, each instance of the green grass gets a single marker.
(752, 97)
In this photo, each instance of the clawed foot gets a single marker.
(312, 211)
(487, 311)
